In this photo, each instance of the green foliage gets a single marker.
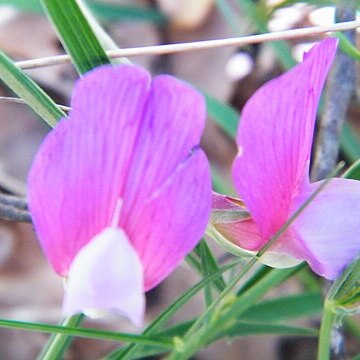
(126, 12)
(209, 264)
(347, 47)
(345, 292)
(354, 171)
(224, 115)
(24, 5)
(108, 11)
(285, 308)
(127, 352)
(76, 34)
(350, 144)
(58, 343)
(242, 328)
(27, 89)
(87, 333)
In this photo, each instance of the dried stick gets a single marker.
(14, 208)
(198, 45)
(341, 84)
(21, 101)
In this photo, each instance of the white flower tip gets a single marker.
(106, 275)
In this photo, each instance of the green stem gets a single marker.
(58, 343)
(128, 351)
(224, 315)
(196, 336)
(324, 348)
(88, 333)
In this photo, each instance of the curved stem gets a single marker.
(58, 343)
(223, 317)
(324, 347)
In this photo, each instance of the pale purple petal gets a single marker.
(168, 224)
(106, 275)
(80, 170)
(327, 231)
(275, 137)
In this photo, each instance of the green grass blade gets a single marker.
(28, 90)
(76, 34)
(347, 47)
(224, 115)
(242, 328)
(58, 343)
(110, 12)
(353, 172)
(87, 333)
(130, 350)
(260, 272)
(239, 329)
(286, 3)
(126, 12)
(285, 308)
(244, 302)
(210, 264)
(25, 5)
(350, 144)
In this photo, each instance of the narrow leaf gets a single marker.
(210, 264)
(239, 329)
(126, 12)
(25, 5)
(86, 333)
(345, 292)
(285, 308)
(27, 89)
(347, 47)
(224, 115)
(59, 343)
(242, 303)
(353, 172)
(76, 34)
(242, 328)
(350, 144)
(127, 352)
(107, 11)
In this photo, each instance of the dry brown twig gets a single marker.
(199, 45)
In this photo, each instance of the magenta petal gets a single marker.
(127, 139)
(328, 229)
(166, 226)
(226, 203)
(172, 124)
(243, 233)
(80, 170)
(275, 137)
(106, 274)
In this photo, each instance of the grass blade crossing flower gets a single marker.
(271, 174)
(120, 192)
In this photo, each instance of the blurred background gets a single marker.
(29, 290)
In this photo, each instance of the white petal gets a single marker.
(106, 275)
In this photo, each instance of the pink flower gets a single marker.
(120, 192)
(271, 174)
